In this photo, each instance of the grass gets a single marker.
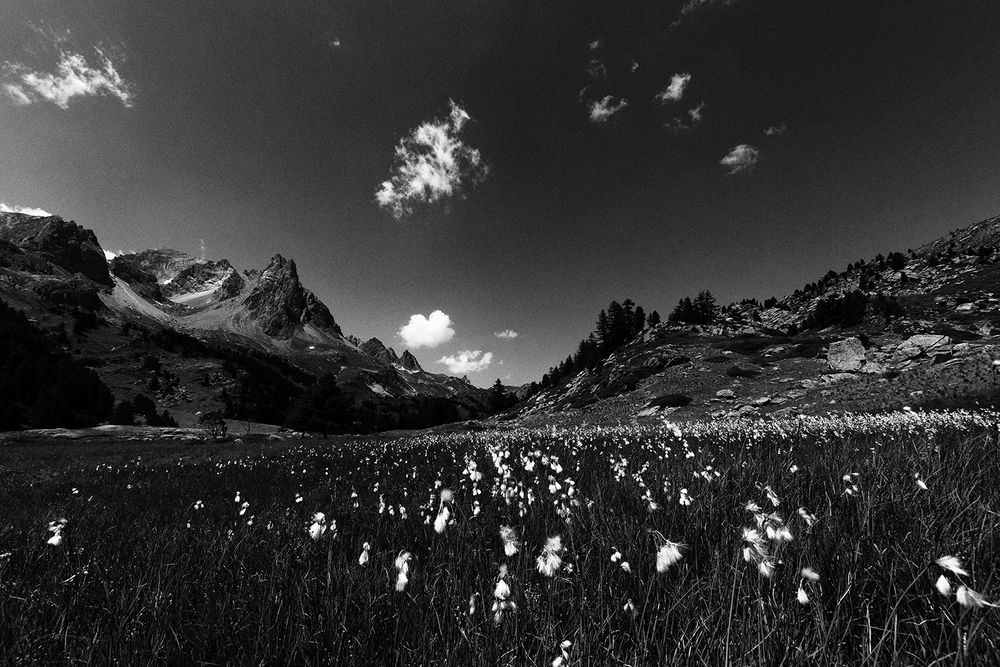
(142, 576)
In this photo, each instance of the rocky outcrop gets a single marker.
(65, 244)
(220, 276)
(279, 303)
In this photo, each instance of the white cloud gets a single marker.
(596, 69)
(26, 210)
(432, 164)
(601, 110)
(467, 361)
(110, 254)
(74, 78)
(675, 91)
(696, 5)
(594, 45)
(429, 331)
(506, 333)
(775, 130)
(695, 114)
(742, 158)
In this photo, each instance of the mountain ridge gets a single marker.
(266, 311)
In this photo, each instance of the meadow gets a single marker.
(851, 539)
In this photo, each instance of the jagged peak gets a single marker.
(409, 362)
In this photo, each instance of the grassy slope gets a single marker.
(133, 583)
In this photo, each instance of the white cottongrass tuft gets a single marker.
(563, 657)
(920, 482)
(511, 542)
(668, 555)
(56, 528)
(318, 527)
(970, 598)
(943, 586)
(363, 558)
(630, 609)
(801, 596)
(473, 604)
(402, 570)
(441, 522)
(808, 516)
(810, 574)
(953, 565)
(501, 597)
(550, 561)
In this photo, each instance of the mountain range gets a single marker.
(199, 323)
(909, 329)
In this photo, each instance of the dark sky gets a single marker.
(248, 128)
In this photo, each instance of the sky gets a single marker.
(447, 171)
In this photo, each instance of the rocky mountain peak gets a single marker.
(65, 244)
(409, 362)
(279, 302)
(374, 348)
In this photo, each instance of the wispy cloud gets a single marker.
(429, 331)
(775, 130)
(506, 333)
(432, 164)
(74, 77)
(675, 91)
(741, 159)
(692, 6)
(26, 210)
(467, 361)
(695, 116)
(601, 110)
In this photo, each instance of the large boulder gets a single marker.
(922, 345)
(846, 356)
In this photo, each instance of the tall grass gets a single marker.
(142, 576)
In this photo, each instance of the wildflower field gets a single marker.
(854, 539)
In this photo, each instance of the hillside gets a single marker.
(200, 335)
(918, 329)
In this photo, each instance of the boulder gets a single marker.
(921, 345)
(846, 356)
(725, 393)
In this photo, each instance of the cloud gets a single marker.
(675, 91)
(696, 5)
(467, 361)
(26, 210)
(432, 164)
(601, 110)
(594, 45)
(695, 116)
(428, 331)
(506, 333)
(74, 78)
(110, 254)
(775, 130)
(742, 158)
(596, 69)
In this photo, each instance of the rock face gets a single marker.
(410, 363)
(374, 348)
(65, 244)
(278, 302)
(846, 356)
(129, 269)
(928, 345)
